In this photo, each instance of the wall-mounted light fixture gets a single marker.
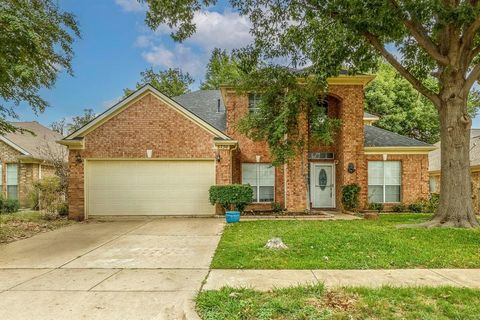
(257, 158)
(217, 157)
(78, 157)
(351, 168)
(149, 153)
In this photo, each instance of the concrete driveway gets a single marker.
(126, 269)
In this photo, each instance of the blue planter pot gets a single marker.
(232, 216)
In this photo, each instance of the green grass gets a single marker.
(315, 302)
(356, 244)
(21, 225)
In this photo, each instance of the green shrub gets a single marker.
(9, 205)
(416, 207)
(62, 209)
(231, 197)
(277, 207)
(432, 204)
(399, 208)
(33, 199)
(350, 195)
(376, 206)
(50, 195)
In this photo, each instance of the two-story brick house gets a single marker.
(153, 155)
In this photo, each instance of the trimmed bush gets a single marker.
(416, 207)
(350, 194)
(9, 205)
(376, 206)
(399, 208)
(232, 196)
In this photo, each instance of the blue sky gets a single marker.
(116, 46)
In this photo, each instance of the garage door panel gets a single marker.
(149, 187)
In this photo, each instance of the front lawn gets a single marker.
(315, 302)
(356, 244)
(21, 225)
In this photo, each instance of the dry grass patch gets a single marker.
(22, 225)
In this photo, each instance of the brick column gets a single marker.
(224, 163)
(296, 176)
(76, 192)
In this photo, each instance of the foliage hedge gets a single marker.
(9, 205)
(350, 196)
(231, 197)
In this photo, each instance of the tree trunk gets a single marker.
(455, 209)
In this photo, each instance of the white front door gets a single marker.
(322, 178)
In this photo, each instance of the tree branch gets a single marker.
(421, 35)
(377, 44)
(471, 78)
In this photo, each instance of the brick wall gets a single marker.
(147, 123)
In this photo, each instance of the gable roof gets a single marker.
(34, 146)
(121, 105)
(377, 137)
(434, 157)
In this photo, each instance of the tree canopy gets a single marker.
(222, 68)
(36, 40)
(402, 109)
(65, 127)
(423, 40)
(171, 82)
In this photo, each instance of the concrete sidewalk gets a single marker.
(269, 279)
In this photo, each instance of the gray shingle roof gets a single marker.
(39, 145)
(369, 115)
(434, 156)
(204, 103)
(377, 137)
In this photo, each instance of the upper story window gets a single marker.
(319, 114)
(253, 101)
(384, 181)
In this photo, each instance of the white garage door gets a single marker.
(149, 187)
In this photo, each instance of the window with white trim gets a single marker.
(384, 181)
(12, 181)
(432, 184)
(253, 101)
(261, 176)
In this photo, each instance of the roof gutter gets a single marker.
(76, 144)
(399, 150)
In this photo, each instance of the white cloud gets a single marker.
(226, 30)
(130, 5)
(143, 41)
(181, 56)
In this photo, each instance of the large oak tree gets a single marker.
(419, 38)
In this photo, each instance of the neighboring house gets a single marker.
(25, 158)
(435, 164)
(153, 155)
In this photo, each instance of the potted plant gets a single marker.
(233, 198)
